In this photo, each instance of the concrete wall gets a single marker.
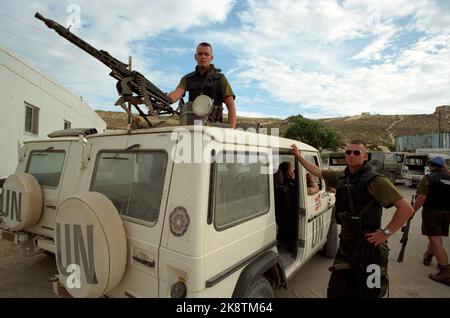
(20, 83)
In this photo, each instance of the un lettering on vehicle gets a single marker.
(82, 248)
(12, 208)
(317, 231)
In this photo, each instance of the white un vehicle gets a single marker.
(188, 211)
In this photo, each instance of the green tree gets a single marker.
(313, 133)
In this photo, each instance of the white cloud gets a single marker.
(374, 49)
(416, 80)
(433, 16)
(303, 53)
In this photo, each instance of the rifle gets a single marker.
(405, 230)
(128, 82)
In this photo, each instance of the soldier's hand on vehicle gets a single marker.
(295, 150)
(376, 238)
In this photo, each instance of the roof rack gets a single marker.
(74, 132)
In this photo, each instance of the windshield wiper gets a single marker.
(116, 156)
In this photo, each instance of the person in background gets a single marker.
(433, 193)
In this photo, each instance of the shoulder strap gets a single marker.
(191, 74)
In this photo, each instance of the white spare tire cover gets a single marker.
(21, 201)
(91, 249)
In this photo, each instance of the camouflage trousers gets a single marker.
(359, 271)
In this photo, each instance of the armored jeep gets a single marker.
(168, 212)
(334, 160)
(387, 163)
(416, 165)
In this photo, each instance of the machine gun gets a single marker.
(405, 230)
(128, 82)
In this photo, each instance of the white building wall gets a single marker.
(20, 83)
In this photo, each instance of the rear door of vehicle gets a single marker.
(134, 172)
(47, 163)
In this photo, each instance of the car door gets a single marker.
(134, 173)
(47, 163)
(316, 209)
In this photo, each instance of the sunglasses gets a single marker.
(355, 152)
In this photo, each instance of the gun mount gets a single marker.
(133, 87)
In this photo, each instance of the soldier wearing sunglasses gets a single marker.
(360, 267)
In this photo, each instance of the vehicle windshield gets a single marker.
(415, 161)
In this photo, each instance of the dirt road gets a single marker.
(25, 275)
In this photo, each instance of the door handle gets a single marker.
(50, 206)
(149, 263)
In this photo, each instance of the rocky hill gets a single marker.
(378, 130)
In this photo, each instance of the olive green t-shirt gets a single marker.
(223, 85)
(383, 191)
(424, 186)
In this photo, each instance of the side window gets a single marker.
(338, 161)
(133, 181)
(46, 167)
(67, 124)
(31, 119)
(313, 159)
(241, 190)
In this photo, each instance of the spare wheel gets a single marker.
(91, 249)
(21, 201)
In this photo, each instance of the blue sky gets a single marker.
(284, 57)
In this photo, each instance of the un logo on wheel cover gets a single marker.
(179, 221)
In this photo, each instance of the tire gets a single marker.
(375, 164)
(24, 195)
(331, 246)
(260, 288)
(103, 243)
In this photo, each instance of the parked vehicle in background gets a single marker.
(444, 151)
(333, 160)
(387, 163)
(415, 166)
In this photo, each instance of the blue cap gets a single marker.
(438, 161)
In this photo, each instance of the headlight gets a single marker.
(202, 105)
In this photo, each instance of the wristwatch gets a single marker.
(387, 232)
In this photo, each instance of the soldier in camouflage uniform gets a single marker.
(361, 194)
